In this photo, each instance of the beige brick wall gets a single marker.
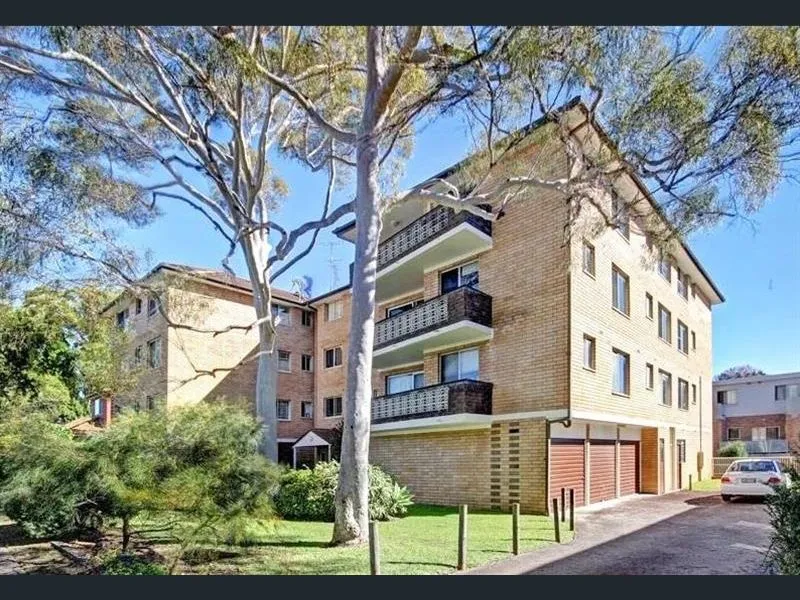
(329, 334)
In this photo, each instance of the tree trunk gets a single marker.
(352, 493)
(256, 251)
(126, 532)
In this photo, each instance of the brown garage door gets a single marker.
(628, 468)
(602, 484)
(567, 468)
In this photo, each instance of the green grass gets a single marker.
(707, 485)
(423, 542)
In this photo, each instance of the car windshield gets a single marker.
(753, 466)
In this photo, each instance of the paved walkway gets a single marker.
(679, 533)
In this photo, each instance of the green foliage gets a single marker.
(129, 564)
(783, 509)
(734, 449)
(200, 461)
(308, 494)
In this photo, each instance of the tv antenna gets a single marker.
(333, 262)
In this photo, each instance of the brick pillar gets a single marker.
(617, 474)
(587, 454)
(105, 412)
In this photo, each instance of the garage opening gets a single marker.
(602, 471)
(628, 468)
(567, 468)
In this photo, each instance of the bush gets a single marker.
(308, 494)
(783, 509)
(733, 449)
(130, 564)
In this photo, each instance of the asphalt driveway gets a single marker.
(684, 533)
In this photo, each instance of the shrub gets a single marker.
(130, 564)
(733, 449)
(308, 494)
(783, 509)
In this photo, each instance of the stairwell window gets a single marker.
(122, 318)
(333, 357)
(460, 365)
(154, 353)
(694, 342)
(648, 376)
(664, 324)
(307, 318)
(620, 383)
(281, 314)
(588, 258)
(306, 362)
(683, 394)
(152, 307)
(665, 268)
(648, 305)
(683, 283)
(621, 216)
(284, 410)
(333, 406)
(683, 337)
(620, 290)
(138, 306)
(284, 361)
(694, 394)
(334, 310)
(666, 387)
(138, 356)
(460, 276)
(588, 352)
(307, 410)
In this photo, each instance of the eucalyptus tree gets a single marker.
(707, 119)
(155, 115)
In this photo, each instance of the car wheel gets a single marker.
(726, 498)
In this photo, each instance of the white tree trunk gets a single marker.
(352, 493)
(256, 251)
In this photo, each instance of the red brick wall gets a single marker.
(745, 425)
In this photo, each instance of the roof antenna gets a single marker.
(333, 263)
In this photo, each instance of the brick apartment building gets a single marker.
(510, 359)
(763, 411)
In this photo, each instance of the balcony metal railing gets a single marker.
(464, 303)
(456, 397)
(424, 229)
(776, 446)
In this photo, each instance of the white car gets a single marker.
(752, 477)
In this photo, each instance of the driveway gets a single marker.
(684, 533)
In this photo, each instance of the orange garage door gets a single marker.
(567, 468)
(602, 484)
(628, 468)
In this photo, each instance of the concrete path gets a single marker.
(675, 534)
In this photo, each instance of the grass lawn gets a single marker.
(423, 542)
(707, 485)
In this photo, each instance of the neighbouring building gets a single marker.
(191, 341)
(763, 411)
(511, 358)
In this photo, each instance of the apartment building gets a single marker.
(511, 360)
(763, 411)
(190, 342)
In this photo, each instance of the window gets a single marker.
(666, 387)
(459, 365)
(648, 376)
(122, 319)
(665, 268)
(306, 409)
(284, 410)
(734, 434)
(588, 353)
(404, 382)
(137, 356)
(726, 397)
(683, 394)
(152, 307)
(683, 337)
(620, 383)
(765, 433)
(664, 324)
(619, 289)
(780, 392)
(401, 308)
(694, 342)
(773, 433)
(694, 394)
(681, 451)
(793, 392)
(621, 217)
(683, 283)
(588, 258)
(281, 314)
(138, 306)
(306, 318)
(333, 357)
(648, 306)
(333, 406)
(154, 353)
(306, 362)
(334, 310)
(284, 361)
(460, 276)
(151, 403)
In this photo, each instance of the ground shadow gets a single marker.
(295, 544)
(12, 535)
(716, 500)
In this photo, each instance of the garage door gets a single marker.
(567, 468)
(602, 484)
(628, 468)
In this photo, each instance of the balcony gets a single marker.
(457, 397)
(440, 236)
(775, 446)
(463, 316)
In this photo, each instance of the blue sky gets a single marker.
(757, 270)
